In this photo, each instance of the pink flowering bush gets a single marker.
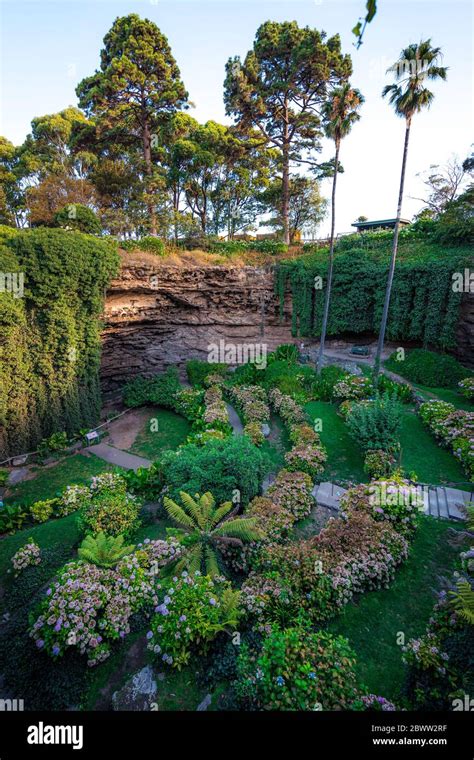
(352, 388)
(27, 555)
(89, 607)
(215, 410)
(252, 402)
(193, 610)
(291, 491)
(454, 428)
(467, 388)
(306, 457)
(288, 409)
(395, 501)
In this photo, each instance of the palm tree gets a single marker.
(339, 114)
(209, 528)
(417, 63)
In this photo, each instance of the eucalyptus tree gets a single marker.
(137, 87)
(279, 89)
(417, 64)
(340, 113)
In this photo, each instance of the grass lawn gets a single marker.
(345, 459)
(420, 453)
(49, 481)
(163, 430)
(447, 394)
(373, 623)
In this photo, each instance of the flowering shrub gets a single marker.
(353, 387)
(378, 463)
(376, 424)
(467, 388)
(252, 401)
(303, 433)
(214, 378)
(291, 491)
(274, 522)
(110, 509)
(73, 498)
(254, 432)
(194, 610)
(300, 670)
(27, 555)
(455, 428)
(425, 653)
(373, 703)
(308, 458)
(345, 408)
(290, 412)
(215, 411)
(89, 607)
(43, 510)
(188, 402)
(395, 501)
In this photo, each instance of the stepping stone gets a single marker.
(206, 702)
(138, 694)
(16, 476)
(328, 495)
(18, 461)
(457, 499)
(234, 420)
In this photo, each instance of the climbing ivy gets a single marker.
(424, 307)
(50, 334)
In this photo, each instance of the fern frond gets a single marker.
(177, 513)
(194, 508)
(212, 566)
(220, 513)
(463, 601)
(243, 528)
(194, 558)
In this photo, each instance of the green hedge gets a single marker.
(423, 305)
(50, 336)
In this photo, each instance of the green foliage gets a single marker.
(376, 424)
(110, 508)
(4, 473)
(463, 601)
(145, 482)
(197, 371)
(43, 510)
(103, 550)
(227, 468)
(50, 340)
(207, 528)
(287, 352)
(428, 368)
(55, 443)
(301, 670)
(74, 216)
(323, 386)
(152, 244)
(378, 463)
(13, 517)
(197, 608)
(158, 389)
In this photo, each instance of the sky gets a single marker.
(48, 47)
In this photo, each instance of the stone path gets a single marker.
(439, 501)
(234, 420)
(117, 456)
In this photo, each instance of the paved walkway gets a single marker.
(234, 420)
(439, 501)
(117, 456)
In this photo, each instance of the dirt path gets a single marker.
(124, 430)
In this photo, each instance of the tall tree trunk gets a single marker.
(285, 201)
(331, 264)
(149, 172)
(391, 271)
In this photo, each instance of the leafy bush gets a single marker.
(188, 402)
(43, 510)
(159, 389)
(75, 216)
(352, 388)
(378, 463)
(290, 412)
(56, 442)
(4, 473)
(323, 388)
(376, 425)
(12, 517)
(252, 402)
(152, 244)
(301, 670)
(194, 610)
(467, 388)
(197, 371)
(454, 427)
(307, 457)
(427, 368)
(402, 391)
(146, 482)
(215, 414)
(289, 378)
(287, 352)
(110, 509)
(227, 468)
(394, 500)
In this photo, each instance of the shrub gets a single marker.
(188, 402)
(288, 352)
(254, 431)
(146, 482)
(353, 387)
(402, 391)
(152, 244)
(428, 368)
(291, 491)
(454, 428)
(89, 607)
(378, 463)
(56, 442)
(323, 388)
(300, 670)
(159, 389)
(252, 401)
(4, 473)
(75, 216)
(110, 509)
(467, 388)
(395, 501)
(12, 517)
(27, 555)
(376, 425)
(229, 468)
(43, 510)
(73, 498)
(194, 610)
(197, 371)
(215, 411)
(290, 378)
(306, 457)
(286, 407)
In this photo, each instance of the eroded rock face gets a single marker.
(157, 315)
(161, 315)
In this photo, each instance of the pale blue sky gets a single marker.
(47, 47)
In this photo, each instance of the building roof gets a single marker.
(379, 223)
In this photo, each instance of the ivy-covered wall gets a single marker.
(424, 306)
(50, 333)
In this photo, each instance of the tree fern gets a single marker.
(103, 550)
(463, 601)
(243, 528)
(177, 513)
(194, 508)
